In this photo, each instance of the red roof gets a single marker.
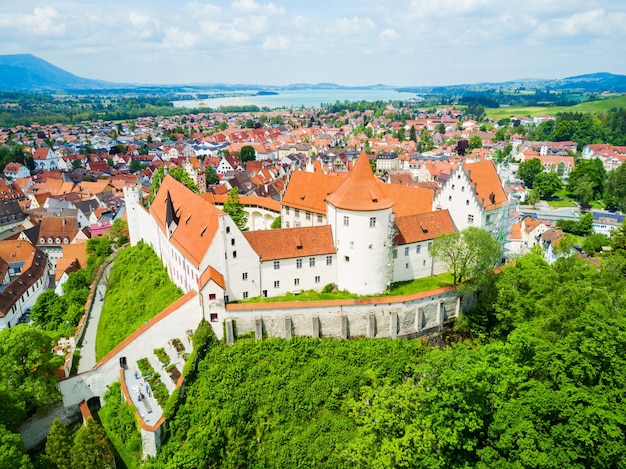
(424, 226)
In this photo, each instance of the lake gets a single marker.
(298, 98)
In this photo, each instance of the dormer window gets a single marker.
(65, 240)
(49, 240)
(42, 240)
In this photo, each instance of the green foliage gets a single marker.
(586, 181)
(547, 183)
(177, 173)
(474, 142)
(594, 243)
(247, 154)
(91, 449)
(59, 445)
(118, 234)
(211, 175)
(138, 289)
(529, 170)
(12, 451)
(162, 355)
(98, 249)
(471, 254)
(276, 223)
(234, 208)
(27, 380)
(581, 227)
(615, 189)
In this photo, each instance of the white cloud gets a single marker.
(276, 43)
(202, 9)
(388, 34)
(177, 39)
(250, 6)
(354, 25)
(44, 21)
(589, 23)
(138, 20)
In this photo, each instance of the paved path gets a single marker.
(88, 346)
(36, 429)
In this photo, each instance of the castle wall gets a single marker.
(372, 317)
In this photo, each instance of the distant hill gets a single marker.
(25, 72)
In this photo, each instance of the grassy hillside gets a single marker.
(138, 289)
(590, 106)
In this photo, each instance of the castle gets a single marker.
(356, 232)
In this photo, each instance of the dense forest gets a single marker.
(534, 378)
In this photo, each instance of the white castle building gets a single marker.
(363, 235)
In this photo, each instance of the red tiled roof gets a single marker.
(211, 274)
(198, 219)
(291, 242)
(424, 226)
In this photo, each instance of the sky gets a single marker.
(348, 42)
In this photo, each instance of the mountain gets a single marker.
(593, 82)
(25, 72)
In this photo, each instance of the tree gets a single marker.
(586, 180)
(528, 171)
(276, 223)
(533, 197)
(412, 134)
(615, 189)
(12, 452)
(211, 175)
(475, 142)
(177, 173)
(59, 445)
(594, 243)
(234, 208)
(118, 234)
(91, 449)
(547, 183)
(471, 254)
(440, 128)
(48, 313)
(462, 146)
(27, 373)
(247, 154)
(136, 165)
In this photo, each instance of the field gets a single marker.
(590, 106)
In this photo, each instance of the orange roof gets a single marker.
(211, 274)
(360, 191)
(415, 228)
(291, 242)
(16, 250)
(58, 229)
(245, 200)
(197, 219)
(71, 253)
(486, 177)
(308, 191)
(408, 200)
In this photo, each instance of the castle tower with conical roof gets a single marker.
(361, 219)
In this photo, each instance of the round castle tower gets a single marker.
(361, 218)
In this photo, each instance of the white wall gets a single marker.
(288, 271)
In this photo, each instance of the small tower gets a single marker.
(133, 196)
(361, 218)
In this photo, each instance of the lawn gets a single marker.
(561, 203)
(138, 289)
(532, 111)
(397, 289)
